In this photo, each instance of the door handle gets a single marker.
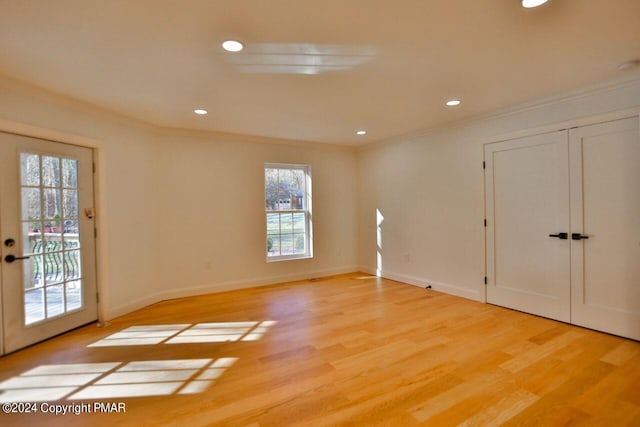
(561, 236)
(11, 258)
(578, 236)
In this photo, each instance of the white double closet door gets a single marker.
(563, 225)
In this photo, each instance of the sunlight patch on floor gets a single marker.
(217, 332)
(114, 380)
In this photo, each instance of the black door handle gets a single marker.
(578, 236)
(561, 236)
(11, 258)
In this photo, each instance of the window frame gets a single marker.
(307, 210)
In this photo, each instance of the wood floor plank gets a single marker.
(349, 350)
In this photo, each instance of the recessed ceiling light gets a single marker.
(453, 102)
(200, 111)
(232, 46)
(361, 132)
(533, 3)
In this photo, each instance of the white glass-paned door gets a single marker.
(47, 241)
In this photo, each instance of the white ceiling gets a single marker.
(314, 70)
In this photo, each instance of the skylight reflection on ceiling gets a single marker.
(299, 58)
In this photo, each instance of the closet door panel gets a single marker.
(527, 190)
(605, 208)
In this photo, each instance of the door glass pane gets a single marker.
(50, 171)
(70, 203)
(33, 272)
(70, 234)
(31, 238)
(69, 173)
(51, 203)
(74, 295)
(33, 306)
(53, 269)
(30, 169)
(72, 265)
(55, 300)
(30, 203)
(52, 242)
(50, 236)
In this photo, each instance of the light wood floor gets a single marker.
(346, 350)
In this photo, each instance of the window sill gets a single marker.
(288, 258)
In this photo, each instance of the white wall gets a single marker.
(429, 188)
(166, 222)
(211, 212)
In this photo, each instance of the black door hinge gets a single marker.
(485, 280)
(485, 222)
(484, 165)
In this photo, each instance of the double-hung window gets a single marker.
(287, 191)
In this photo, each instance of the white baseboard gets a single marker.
(475, 295)
(222, 287)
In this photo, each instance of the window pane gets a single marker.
(273, 223)
(286, 244)
(273, 245)
(299, 243)
(299, 222)
(271, 188)
(284, 200)
(286, 223)
(297, 195)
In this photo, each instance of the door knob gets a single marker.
(561, 236)
(11, 258)
(578, 236)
